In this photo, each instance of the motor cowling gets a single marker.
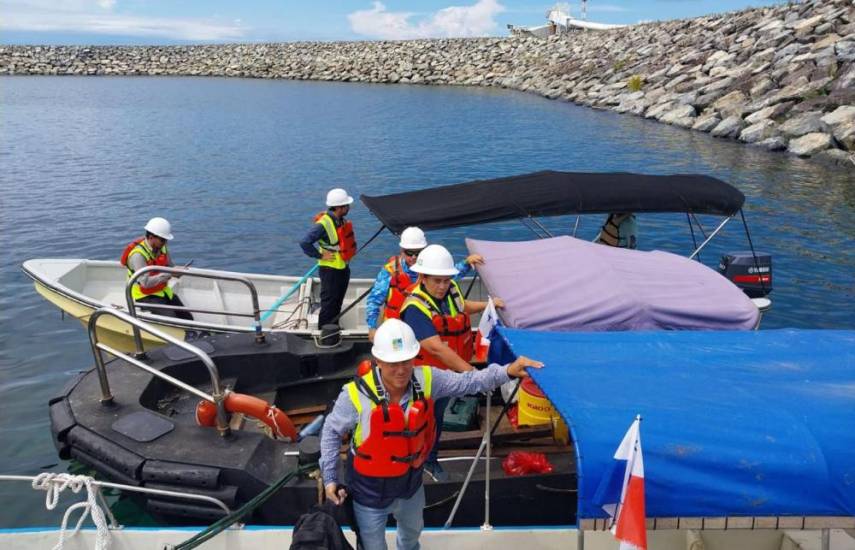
(750, 272)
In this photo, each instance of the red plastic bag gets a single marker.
(520, 463)
(513, 416)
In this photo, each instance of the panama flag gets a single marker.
(489, 319)
(621, 491)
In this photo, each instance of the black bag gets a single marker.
(320, 528)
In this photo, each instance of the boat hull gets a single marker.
(147, 436)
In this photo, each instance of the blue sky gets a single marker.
(219, 21)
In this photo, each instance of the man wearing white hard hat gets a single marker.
(389, 412)
(393, 283)
(153, 287)
(336, 246)
(440, 317)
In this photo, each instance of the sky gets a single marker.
(93, 22)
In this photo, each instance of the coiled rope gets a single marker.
(54, 484)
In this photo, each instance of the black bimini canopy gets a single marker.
(550, 193)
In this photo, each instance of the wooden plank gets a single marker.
(829, 522)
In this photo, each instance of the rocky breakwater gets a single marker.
(782, 78)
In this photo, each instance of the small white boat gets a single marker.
(79, 287)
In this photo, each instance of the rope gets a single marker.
(53, 484)
(225, 522)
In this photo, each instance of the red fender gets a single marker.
(272, 416)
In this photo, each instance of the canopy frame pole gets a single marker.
(576, 225)
(701, 227)
(692, 231)
(374, 236)
(713, 234)
(541, 226)
(466, 481)
(530, 228)
(487, 440)
(753, 252)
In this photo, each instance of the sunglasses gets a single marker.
(411, 253)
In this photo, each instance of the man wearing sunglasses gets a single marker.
(392, 285)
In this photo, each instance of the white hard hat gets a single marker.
(395, 341)
(338, 197)
(435, 260)
(413, 238)
(159, 227)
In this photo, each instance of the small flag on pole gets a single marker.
(489, 319)
(621, 491)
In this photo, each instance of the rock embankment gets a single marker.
(782, 78)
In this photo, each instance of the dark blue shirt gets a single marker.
(421, 324)
(316, 233)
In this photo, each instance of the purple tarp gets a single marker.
(566, 284)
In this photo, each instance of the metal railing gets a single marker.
(203, 274)
(146, 490)
(218, 396)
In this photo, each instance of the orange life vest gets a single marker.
(140, 246)
(388, 440)
(345, 238)
(454, 329)
(400, 285)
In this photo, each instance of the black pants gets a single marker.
(333, 287)
(175, 301)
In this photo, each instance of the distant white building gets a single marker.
(559, 21)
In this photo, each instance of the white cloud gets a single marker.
(88, 16)
(453, 21)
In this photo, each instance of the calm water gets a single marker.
(240, 166)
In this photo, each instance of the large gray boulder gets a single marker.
(729, 127)
(842, 115)
(802, 124)
(845, 134)
(759, 131)
(810, 144)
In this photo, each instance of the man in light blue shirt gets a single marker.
(388, 293)
(389, 413)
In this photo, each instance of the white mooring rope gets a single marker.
(55, 483)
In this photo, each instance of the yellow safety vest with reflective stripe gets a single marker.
(149, 256)
(330, 242)
(365, 406)
(420, 299)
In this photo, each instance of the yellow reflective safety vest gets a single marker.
(388, 440)
(454, 328)
(162, 258)
(331, 241)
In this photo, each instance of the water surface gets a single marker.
(241, 166)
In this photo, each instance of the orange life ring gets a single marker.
(275, 418)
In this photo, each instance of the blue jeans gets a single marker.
(408, 512)
(438, 413)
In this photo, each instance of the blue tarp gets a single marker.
(742, 423)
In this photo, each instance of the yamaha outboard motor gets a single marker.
(754, 277)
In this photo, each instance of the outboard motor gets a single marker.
(754, 277)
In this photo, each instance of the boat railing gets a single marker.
(200, 273)
(217, 396)
(63, 479)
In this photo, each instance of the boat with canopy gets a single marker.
(235, 302)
